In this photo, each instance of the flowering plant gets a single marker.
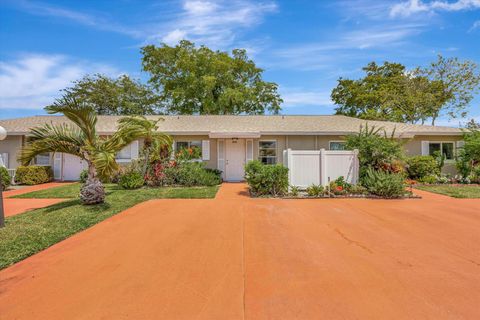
(186, 154)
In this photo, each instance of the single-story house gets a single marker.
(228, 142)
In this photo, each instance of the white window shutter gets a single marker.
(205, 150)
(425, 148)
(249, 150)
(4, 159)
(134, 150)
(460, 144)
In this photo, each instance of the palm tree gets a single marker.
(153, 141)
(81, 140)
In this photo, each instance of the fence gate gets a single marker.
(319, 167)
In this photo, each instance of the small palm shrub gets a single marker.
(315, 190)
(131, 180)
(6, 179)
(384, 184)
(31, 175)
(266, 179)
(294, 191)
(419, 167)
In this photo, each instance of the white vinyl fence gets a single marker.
(319, 167)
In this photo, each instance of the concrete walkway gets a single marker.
(234, 257)
(14, 206)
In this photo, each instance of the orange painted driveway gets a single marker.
(14, 206)
(238, 258)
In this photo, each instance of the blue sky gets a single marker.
(304, 46)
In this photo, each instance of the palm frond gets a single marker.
(49, 138)
(79, 113)
(104, 162)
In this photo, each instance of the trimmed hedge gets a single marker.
(31, 175)
(6, 179)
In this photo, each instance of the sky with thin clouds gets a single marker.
(304, 46)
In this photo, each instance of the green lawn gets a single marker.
(30, 232)
(456, 191)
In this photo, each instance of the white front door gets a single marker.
(235, 159)
(72, 167)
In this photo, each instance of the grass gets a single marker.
(30, 232)
(456, 191)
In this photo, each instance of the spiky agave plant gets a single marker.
(79, 139)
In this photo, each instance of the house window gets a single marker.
(42, 159)
(445, 148)
(125, 153)
(179, 145)
(267, 152)
(337, 145)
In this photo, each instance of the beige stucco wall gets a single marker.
(12, 146)
(414, 147)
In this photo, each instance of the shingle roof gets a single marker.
(308, 124)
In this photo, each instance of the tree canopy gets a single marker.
(108, 96)
(193, 80)
(393, 93)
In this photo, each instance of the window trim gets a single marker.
(175, 149)
(441, 149)
(43, 165)
(276, 149)
(335, 141)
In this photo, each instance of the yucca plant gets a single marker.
(80, 139)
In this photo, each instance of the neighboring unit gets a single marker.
(228, 142)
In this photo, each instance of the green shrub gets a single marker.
(6, 179)
(131, 180)
(31, 175)
(419, 167)
(266, 179)
(358, 189)
(430, 179)
(376, 150)
(384, 184)
(468, 159)
(190, 174)
(315, 190)
(84, 176)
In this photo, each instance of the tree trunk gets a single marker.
(92, 192)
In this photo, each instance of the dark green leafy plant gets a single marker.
(384, 184)
(266, 179)
(131, 180)
(6, 179)
(31, 175)
(468, 159)
(84, 176)
(422, 166)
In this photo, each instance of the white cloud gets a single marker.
(476, 25)
(215, 23)
(411, 7)
(33, 81)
